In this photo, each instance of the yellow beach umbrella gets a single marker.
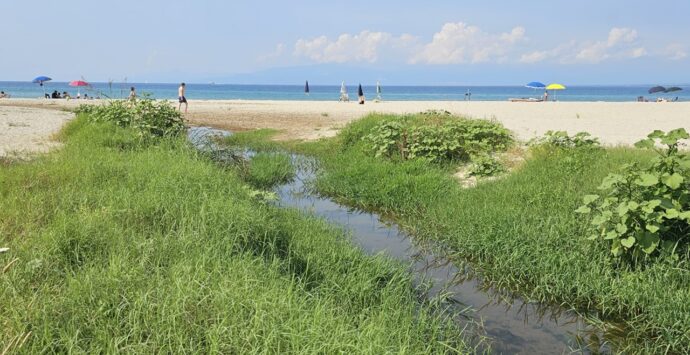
(555, 87)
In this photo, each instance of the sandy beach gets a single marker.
(25, 130)
(614, 123)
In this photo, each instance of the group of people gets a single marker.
(66, 95)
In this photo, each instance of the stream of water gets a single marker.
(512, 325)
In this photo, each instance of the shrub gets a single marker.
(561, 139)
(150, 117)
(486, 165)
(645, 212)
(436, 138)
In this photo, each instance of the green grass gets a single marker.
(266, 170)
(520, 232)
(121, 245)
(260, 139)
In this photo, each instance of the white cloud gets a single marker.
(461, 43)
(360, 47)
(458, 43)
(675, 51)
(621, 35)
(621, 43)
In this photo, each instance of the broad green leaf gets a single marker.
(684, 215)
(599, 220)
(622, 209)
(645, 144)
(611, 235)
(628, 242)
(587, 199)
(656, 134)
(652, 228)
(647, 180)
(672, 213)
(583, 210)
(678, 133)
(667, 203)
(621, 228)
(648, 242)
(632, 205)
(674, 181)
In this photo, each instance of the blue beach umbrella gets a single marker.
(536, 85)
(306, 88)
(40, 80)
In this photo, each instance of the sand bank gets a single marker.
(613, 122)
(28, 130)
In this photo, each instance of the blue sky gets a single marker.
(400, 42)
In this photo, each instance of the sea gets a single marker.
(332, 92)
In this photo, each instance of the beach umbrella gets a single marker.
(378, 90)
(673, 89)
(656, 89)
(535, 85)
(306, 87)
(343, 89)
(78, 84)
(40, 80)
(360, 92)
(555, 87)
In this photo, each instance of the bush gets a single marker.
(436, 138)
(150, 117)
(486, 165)
(645, 212)
(561, 139)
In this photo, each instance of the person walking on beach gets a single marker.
(181, 98)
(132, 94)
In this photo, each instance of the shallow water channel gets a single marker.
(513, 326)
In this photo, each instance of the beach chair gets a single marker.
(344, 97)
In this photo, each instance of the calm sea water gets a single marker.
(331, 93)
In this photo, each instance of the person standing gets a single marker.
(181, 98)
(132, 94)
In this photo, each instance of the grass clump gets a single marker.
(266, 170)
(258, 140)
(521, 232)
(156, 249)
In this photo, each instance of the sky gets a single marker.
(442, 42)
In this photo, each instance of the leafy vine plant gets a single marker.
(644, 213)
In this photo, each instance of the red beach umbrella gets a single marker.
(78, 83)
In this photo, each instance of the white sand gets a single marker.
(28, 130)
(614, 123)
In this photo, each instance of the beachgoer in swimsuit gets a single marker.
(181, 98)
